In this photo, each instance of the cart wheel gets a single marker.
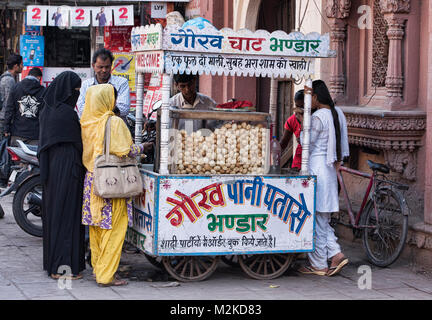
(156, 261)
(190, 268)
(265, 266)
(231, 260)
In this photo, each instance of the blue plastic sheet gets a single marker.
(199, 22)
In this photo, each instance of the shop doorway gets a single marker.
(277, 15)
(67, 47)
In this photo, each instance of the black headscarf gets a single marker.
(58, 121)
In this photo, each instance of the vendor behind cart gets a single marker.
(293, 128)
(189, 98)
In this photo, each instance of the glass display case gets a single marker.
(218, 142)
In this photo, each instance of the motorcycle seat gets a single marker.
(27, 148)
(32, 148)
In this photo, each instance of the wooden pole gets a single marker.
(306, 126)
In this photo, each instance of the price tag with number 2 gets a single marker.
(36, 15)
(80, 17)
(123, 15)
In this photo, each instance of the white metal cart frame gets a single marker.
(224, 52)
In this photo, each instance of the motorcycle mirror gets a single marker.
(157, 105)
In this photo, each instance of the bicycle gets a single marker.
(382, 219)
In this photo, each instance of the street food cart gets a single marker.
(209, 194)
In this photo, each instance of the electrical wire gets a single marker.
(299, 13)
(325, 19)
(370, 99)
(343, 53)
(304, 14)
(322, 16)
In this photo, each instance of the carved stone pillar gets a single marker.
(337, 77)
(337, 11)
(394, 11)
(394, 79)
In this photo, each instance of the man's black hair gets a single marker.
(35, 72)
(184, 78)
(299, 96)
(14, 59)
(103, 54)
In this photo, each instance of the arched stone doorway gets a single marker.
(269, 15)
(276, 15)
(246, 14)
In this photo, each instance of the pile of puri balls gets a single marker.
(234, 148)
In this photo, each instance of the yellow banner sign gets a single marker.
(124, 66)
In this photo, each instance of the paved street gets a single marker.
(22, 278)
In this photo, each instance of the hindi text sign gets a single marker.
(231, 214)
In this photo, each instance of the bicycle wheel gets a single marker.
(384, 239)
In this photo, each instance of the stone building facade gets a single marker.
(381, 78)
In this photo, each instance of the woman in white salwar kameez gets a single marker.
(328, 147)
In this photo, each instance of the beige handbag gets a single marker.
(115, 177)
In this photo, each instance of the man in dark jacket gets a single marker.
(23, 107)
(7, 82)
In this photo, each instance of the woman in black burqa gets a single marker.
(62, 173)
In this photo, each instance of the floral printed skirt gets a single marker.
(106, 222)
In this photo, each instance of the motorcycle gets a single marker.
(25, 181)
(25, 177)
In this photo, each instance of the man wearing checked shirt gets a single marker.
(102, 63)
